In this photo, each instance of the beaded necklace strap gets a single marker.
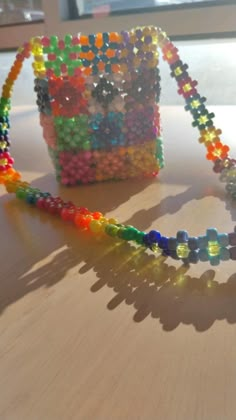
(213, 246)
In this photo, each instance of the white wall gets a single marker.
(179, 22)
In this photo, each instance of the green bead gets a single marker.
(139, 237)
(21, 193)
(68, 39)
(112, 230)
(54, 40)
(128, 233)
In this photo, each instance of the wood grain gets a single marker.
(93, 330)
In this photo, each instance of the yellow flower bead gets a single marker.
(113, 221)
(95, 226)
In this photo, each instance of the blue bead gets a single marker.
(146, 240)
(166, 252)
(224, 254)
(154, 236)
(172, 254)
(96, 59)
(104, 48)
(105, 37)
(95, 70)
(92, 39)
(108, 68)
(85, 48)
(212, 234)
(223, 239)
(172, 243)
(104, 58)
(114, 60)
(94, 49)
(163, 243)
(193, 243)
(203, 255)
(202, 242)
(193, 257)
(86, 63)
(215, 260)
(182, 236)
(113, 45)
(30, 198)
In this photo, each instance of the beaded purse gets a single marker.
(98, 100)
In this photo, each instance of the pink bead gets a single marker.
(61, 44)
(45, 41)
(63, 68)
(52, 57)
(49, 73)
(75, 40)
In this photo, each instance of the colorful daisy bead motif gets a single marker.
(195, 104)
(203, 119)
(62, 55)
(106, 131)
(72, 133)
(139, 126)
(217, 151)
(142, 87)
(104, 93)
(67, 96)
(210, 135)
(213, 247)
(98, 52)
(138, 49)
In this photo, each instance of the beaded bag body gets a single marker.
(98, 100)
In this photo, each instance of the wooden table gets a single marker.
(91, 329)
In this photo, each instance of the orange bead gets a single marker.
(99, 41)
(101, 66)
(110, 53)
(83, 221)
(84, 40)
(90, 56)
(115, 68)
(87, 71)
(97, 215)
(114, 37)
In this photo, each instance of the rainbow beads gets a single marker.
(98, 101)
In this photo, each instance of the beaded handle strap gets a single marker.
(213, 246)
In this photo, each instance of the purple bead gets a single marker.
(232, 238)
(125, 35)
(148, 39)
(233, 253)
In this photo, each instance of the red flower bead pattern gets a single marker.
(67, 96)
(187, 87)
(217, 151)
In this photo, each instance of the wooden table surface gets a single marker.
(91, 330)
